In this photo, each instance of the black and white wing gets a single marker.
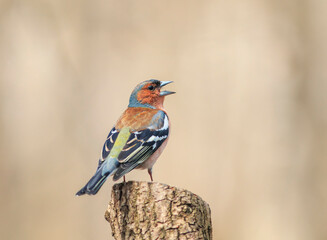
(141, 145)
(108, 144)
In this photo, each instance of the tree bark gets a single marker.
(147, 210)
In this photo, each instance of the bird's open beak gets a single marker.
(165, 93)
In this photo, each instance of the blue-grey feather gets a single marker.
(104, 170)
(158, 120)
(109, 165)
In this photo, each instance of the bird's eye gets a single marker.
(151, 87)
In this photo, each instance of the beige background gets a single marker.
(249, 120)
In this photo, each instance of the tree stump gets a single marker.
(148, 210)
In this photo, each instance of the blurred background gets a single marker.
(249, 120)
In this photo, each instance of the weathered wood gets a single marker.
(147, 210)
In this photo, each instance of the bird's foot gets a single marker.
(150, 173)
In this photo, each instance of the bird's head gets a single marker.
(149, 94)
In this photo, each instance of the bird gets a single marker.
(138, 137)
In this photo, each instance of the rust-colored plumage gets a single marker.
(136, 119)
(151, 97)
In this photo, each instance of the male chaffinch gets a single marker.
(137, 139)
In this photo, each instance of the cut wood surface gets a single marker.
(148, 210)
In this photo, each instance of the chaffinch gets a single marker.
(137, 139)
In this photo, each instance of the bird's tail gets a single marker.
(107, 168)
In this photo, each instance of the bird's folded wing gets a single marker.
(142, 144)
(109, 143)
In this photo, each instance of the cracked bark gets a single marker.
(147, 210)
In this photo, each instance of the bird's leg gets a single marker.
(150, 173)
(124, 179)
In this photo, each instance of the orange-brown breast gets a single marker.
(136, 118)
